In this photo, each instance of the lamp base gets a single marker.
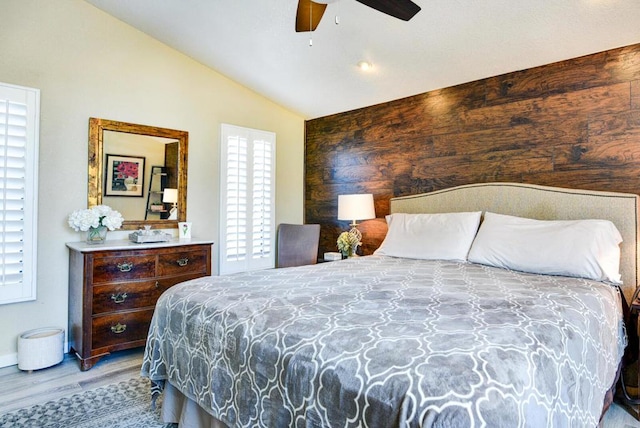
(173, 214)
(355, 237)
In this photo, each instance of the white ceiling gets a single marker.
(447, 43)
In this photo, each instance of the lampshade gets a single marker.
(170, 196)
(356, 207)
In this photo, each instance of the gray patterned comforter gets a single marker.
(383, 342)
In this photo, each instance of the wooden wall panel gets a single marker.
(575, 123)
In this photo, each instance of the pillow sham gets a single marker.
(578, 248)
(443, 236)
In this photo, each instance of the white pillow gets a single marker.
(446, 236)
(579, 248)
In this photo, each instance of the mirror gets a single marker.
(130, 166)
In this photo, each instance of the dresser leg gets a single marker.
(86, 363)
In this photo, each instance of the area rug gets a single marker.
(122, 405)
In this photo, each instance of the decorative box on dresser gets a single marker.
(113, 289)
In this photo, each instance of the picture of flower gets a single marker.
(126, 169)
(124, 175)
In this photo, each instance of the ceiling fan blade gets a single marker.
(309, 15)
(401, 9)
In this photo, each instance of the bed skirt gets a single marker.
(179, 409)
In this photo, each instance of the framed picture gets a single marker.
(124, 176)
(184, 229)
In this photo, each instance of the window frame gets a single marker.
(26, 290)
(250, 262)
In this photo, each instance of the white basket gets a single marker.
(40, 348)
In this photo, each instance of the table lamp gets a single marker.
(356, 207)
(170, 196)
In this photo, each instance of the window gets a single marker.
(247, 218)
(19, 119)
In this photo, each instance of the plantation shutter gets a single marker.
(247, 199)
(236, 227)
(262, 219)
(19, 116)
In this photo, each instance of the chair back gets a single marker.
(297, 244)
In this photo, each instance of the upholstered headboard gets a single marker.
(543, 203)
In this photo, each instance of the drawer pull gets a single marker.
(157, 284)
(119, 298)
(125, 267)
(118, 328)
(182, 262)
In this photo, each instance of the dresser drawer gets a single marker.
(122, 296)
(120, 328)
(166, 283)
(183, 263)
(123, 268)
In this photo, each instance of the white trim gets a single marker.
(27, 289)
(9, 360)
(251, 260)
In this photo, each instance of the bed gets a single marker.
(395, 340)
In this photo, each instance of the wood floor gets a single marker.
(22, 389)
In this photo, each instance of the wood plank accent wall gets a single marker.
(574, 123)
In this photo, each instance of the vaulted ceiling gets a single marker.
(448, 42)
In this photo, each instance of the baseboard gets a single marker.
(12, 359)
(9, 360)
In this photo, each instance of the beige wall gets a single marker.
(88, 64)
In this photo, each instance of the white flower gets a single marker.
(99, 215)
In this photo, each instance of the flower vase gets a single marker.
(348, 253)
(353, 251)
(96, 235)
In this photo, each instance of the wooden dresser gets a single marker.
(113, 289)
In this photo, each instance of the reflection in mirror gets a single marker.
(170, 196)
(130, 166)
(137, 192)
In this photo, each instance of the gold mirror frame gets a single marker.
(96, 167)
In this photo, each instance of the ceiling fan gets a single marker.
(310, 12)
